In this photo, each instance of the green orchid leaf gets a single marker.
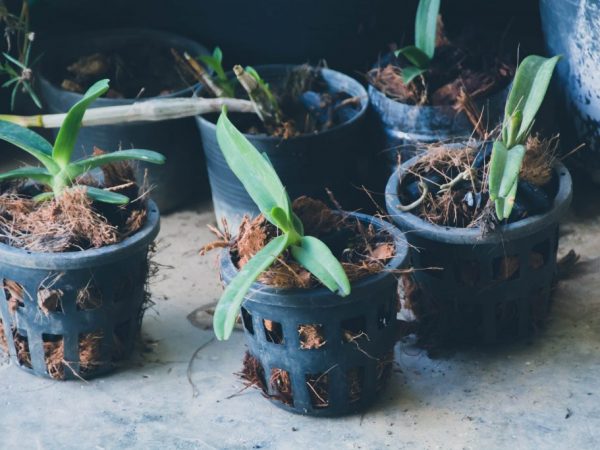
(31, 142)
(85, 165)
(415, 55)
(39, 174)
(497, 164)
(527, 93)
(229, 305)
(282, 221)
(315, 256)
(104, 196)
(509, 200)
(426, 26)
(15, 61)
(512, 167)
(409, 73)
(67, 135)
(499, 205)
(256, 174)
(43, 197)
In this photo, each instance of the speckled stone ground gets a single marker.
(539, 394)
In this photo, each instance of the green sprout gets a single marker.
(526, 95)
(58, 172)
(266, 190)
(421, 54)
(215, 62)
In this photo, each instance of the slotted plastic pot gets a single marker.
(306, 164)
(118, 273)
(370, 308)
(182, 178)
(472, 301)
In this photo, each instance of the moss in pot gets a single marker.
(74, 253)
(424, 93)
(309, 122)
(484, 225)
(320, 320)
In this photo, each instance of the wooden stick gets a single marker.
(144, 111)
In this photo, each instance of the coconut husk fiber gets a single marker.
(73, 221)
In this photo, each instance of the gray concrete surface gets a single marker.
(541, 394)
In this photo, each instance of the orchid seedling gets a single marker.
(421, 53)
(215, 62)
(266, 190)
(526, 95)
(59, 172)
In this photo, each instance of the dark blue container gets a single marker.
(175, 183)
(117, 276)
(472, 298)
(406, 129)
(369, 309)
(306, 164)
(571, 29)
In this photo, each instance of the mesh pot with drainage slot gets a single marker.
(320, 354)
(73, 315)
(489, 288)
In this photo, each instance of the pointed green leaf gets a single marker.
(44, 196)
(14, 61)
(67, 135)
(528, 91)
(104, 196)
(509, 201)
(409, 73)
(281, 219)
(315, 256)
(85, 165)
(38, 174)
(512, 167)
(229, 305)
(31, 142)
(426, 26)
(415, 55)
(497, 163)
(258, 176)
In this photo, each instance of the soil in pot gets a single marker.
(68, 224)
(306, 106)
(469, 65)
(135, 71)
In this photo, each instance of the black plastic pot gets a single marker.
(306, 164)
(370, 309)
(469, 299)
(405, 129)
(117, 274)
(178, 181)
(571, 30)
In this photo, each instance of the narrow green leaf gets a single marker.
(44, 196)
(16, 62)
(10, 82)
(499, 204)
(315, 256)
(31, 142)
(104, 196)
(32, 94)
(497, 163)
(512, 167)
(415, 55)
(228, 307)
(282, 221)
(67, 135)
(38, 174)
(85, 165)
(257, 175)
(509, 201)
(528, 91)
(409, 73)
(426, 26)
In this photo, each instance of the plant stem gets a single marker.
(262, 102)
(146, 111)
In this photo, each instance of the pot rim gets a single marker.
(410, 223)
(85, 258)
(122, 33)
(321, 297)
(364, 104)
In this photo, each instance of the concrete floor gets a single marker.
(542, 394)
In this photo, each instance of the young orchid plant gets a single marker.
(421, 53)
(266, 190)
(526, 95)
(59, 172)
